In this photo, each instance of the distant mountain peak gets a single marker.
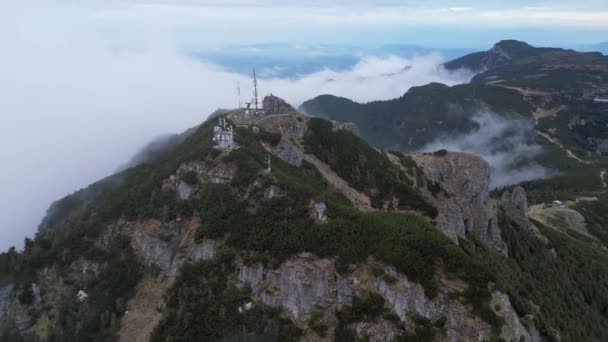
(512, 44)
(500, 54)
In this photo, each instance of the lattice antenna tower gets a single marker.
(255, 91)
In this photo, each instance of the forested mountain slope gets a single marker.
(303, 231)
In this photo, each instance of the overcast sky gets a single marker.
(85, 83)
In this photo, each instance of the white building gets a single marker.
(223, 135)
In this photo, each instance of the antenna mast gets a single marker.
(255, 91)
(238, 92)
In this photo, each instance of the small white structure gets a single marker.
(269, 166)
(245, 307)
(600, 100)
(223, 135)
(81, 296)
(559, 204)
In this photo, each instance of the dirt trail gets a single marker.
(525, 91)
(568, 152)
(545, 113)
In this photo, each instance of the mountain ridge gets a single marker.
(209, 193)
(298, 229)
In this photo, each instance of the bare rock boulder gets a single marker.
(318, 211)
(347, 126)
(276, 105)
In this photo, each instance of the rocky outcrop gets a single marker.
(297, 286)
(165, 245)
(318, 211)
(291, 128)
(34, 320)
(305, 284)
(272, 191)
(347, 126)
(5, 297)
(185, 191)
(205, 171)
(464, 205)
(515, 205)
(205, 250)
(157, 243)
(276, 105)
(288, 152)
(513, 328)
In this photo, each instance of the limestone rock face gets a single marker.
(207, 171)
(513, 328)
(464, 206)
(165, 245)
(185, 191)
(276, 105)
(515, 205)
(288, 152)
(158, 244)
(205, 250)
(297, 286)
(305, 284)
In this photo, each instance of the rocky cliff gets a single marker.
(464, 204)
(307, 284)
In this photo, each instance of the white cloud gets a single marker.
(78, 98)
(506, 144)
(270, 14)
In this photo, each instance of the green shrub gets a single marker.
(190, 177)
(315, 322)
(26, 296)
(220, 209)
(424, 331)
(367, 308)
(363, 167)
(203, 305)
